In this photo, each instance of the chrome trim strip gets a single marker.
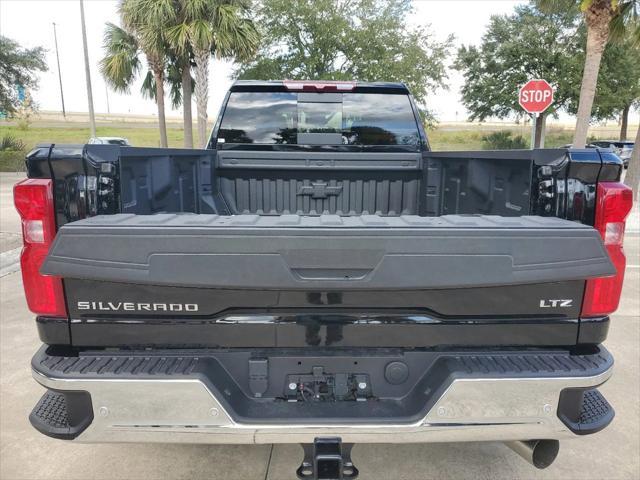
(186, 411)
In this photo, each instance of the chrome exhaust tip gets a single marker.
(539, 453)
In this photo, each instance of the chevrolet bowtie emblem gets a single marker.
(319, 190)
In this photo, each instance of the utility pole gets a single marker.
(106, 92)
(92, 117)
(55, 39)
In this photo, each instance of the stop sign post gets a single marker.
(535, 97)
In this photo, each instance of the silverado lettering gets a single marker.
(148, 307)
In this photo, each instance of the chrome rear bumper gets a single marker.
(186, 410)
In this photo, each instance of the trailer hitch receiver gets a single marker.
(327, 459)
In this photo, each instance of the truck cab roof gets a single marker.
(318, 86)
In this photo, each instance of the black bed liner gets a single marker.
(327, 251)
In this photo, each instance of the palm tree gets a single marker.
(219, 27)
(182, 57)
(179, 90)
(604, 19)
(141, 18)
(121, 65)
(187, 88)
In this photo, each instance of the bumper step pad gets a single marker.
(592, 415)
(51, 415)
(596, 413)
(595, 409)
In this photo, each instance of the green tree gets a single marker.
(604, 19)
(18, 67)
(140, 33)
(123, 60)
(180, 83)
(515, 48)
(618, 87)
(222, 28)
(179, 70)
(141, 19)
(368, 40)
(182, 87)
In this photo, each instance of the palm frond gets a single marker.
(625, 24)
(136, 14)
(179, 36)
(121, 62)
(201, 33)
(148, 88)
(174, 79)
(196, 9)
(235, 33)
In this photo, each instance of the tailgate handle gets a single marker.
(334, 274)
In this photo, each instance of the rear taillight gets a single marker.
(327, 86)
(613, 204)
(34, 201)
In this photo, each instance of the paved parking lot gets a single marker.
(25, 454)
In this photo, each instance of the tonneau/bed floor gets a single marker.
(327, 251)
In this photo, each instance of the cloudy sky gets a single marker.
(29, 22)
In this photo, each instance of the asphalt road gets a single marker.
(26, 454)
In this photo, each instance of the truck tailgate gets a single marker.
(292, 252)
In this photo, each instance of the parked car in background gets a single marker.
(623, 149)
(109, 141)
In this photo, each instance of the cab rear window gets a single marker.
(298, 118)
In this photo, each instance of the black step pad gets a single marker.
(62, 415)
(51, 411)
(594, 412)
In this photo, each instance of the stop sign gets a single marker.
(535, 96)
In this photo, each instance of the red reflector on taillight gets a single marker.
(33, 199)
(326, 86)
(613, 204)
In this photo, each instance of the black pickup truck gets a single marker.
(319, 276)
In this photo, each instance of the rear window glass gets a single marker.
(278, 117)
(265, 117)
